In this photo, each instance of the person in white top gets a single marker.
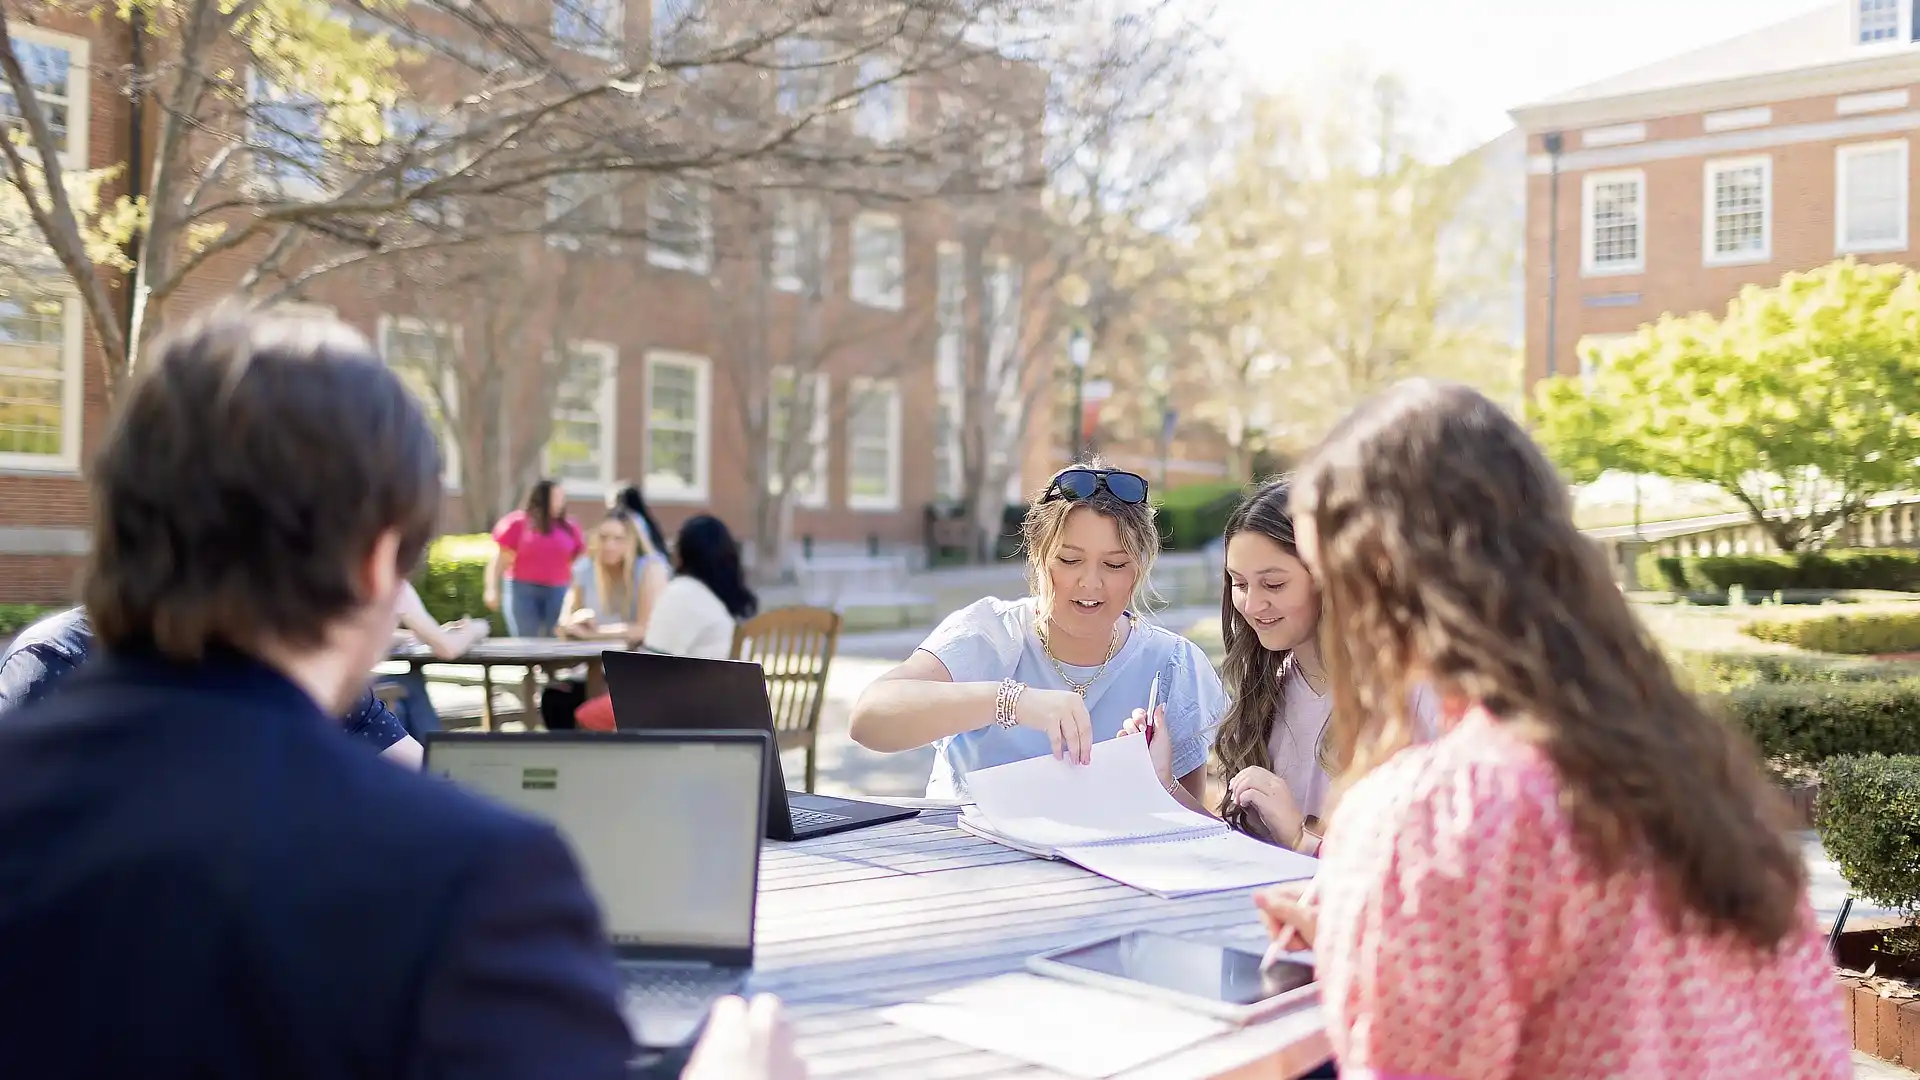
(708, 596)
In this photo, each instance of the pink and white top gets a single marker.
(1461, 936)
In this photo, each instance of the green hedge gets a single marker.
(1863, 634)
(1194, 515)
(17, 617)
(1890, 571)
(1869, 820)
(1810, 722)
(453, 579)
(1721, 672)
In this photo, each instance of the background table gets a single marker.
(853, 923)
(551, 654)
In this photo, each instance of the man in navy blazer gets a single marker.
(199, 877)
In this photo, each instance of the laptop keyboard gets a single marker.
(670, 989)
(806, 818)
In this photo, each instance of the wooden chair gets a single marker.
(795, 647)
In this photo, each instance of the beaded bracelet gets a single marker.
(1006, 703)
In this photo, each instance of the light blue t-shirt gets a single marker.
(993, 639)
(588, 583)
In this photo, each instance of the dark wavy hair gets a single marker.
(1252, 671)
(706, 551)
(1446, 546)
(627, 497)
(539, 505)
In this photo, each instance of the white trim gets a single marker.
(1731, 143)
(449, 384)
(1842, 158)
(672, 489)
(72, 392)
(855, 391)
(895, 296)
(1617, 135)
(787, 234)
(1902, 26)
(1709, 219)
(597, 186)
(819, 431)
(79, 90)
(698, 195)
(607, 401)
(1879, 101)
(1588, 267)
(1737, 119)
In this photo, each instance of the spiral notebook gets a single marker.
(1112, 817)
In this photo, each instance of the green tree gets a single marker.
(1802, 402)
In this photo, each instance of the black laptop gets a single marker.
(656, 690)
(666, 828)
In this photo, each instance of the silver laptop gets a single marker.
(666, 828)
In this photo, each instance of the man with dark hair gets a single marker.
(198, 876)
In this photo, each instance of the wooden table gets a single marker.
(550, 654)
(853, 923)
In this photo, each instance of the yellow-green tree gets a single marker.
(1802, 402)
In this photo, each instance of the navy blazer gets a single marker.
(199, 878)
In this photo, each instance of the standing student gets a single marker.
(1063, 668)
(536, 547)
(1586, 875)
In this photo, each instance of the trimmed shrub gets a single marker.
(1863, 634)
(1888, 571)
(1808, 723)
(17, 617)
(1869, 820)
(1194, 515)
(1721, 672)
(453, 579)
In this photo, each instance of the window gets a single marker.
(806, 396)
(802, 244)
(40, 378)
(680, 224)
(678, 387)
(581, 207)
(1877, 20)
(805, 82)
(878, 261)
(1003, 286)
(425, 356)
(949, 370)
(882, 111)
(580, 446)
(670, 17)
(873, 445)
(1616, 219)
(594, 27)
(56, 66)
(283, 134)
(1739, 209)
(419, 146)
(1871, 185)
(1003, 155)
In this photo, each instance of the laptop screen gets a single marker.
(667, 833)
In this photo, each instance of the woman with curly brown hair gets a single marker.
(1586, 875)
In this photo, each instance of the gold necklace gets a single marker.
(1113, 650)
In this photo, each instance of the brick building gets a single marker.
(648, 385)
(1668, 188)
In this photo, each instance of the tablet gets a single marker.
(1213, 979)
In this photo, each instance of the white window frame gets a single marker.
(880, 114)
(297, 187)
(857, 389)
(662, 490)
(1587, 232)
(1902, 25)
(699, 195)
(613, 29)
(445, 210)
(1709, 226)
(1842, 164)
(803, 82)
(451, 472)
(895, 298)
(559, 208)
(788, 225)
(607, 400)
(72, 393)
(818, 434)
(79, 89)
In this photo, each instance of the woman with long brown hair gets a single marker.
(1586, 875)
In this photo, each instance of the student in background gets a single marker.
(450, 641)
(615, 586)
(1058, 670)
(537, 545)
(1586, 875)
(627, 498)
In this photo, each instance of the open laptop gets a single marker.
(657, 690)
(666, 828)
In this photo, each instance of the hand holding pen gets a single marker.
(1151, 721)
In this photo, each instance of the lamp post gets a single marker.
(1079, 350)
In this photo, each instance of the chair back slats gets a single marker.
(794, 646)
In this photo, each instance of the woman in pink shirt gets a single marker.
(1586, 876)
(537, 547)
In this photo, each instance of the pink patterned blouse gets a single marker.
(1461, 938)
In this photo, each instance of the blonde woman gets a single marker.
(615, 585)
(1059, 670)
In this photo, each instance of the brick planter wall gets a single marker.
(1888, 1028)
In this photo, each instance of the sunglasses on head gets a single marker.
(1077, 485)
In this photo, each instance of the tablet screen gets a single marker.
(1195, 968)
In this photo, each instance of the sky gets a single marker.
(1478, 58)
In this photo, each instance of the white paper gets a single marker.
(1077, 1030)
(1199, 864)
(1047, 802)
